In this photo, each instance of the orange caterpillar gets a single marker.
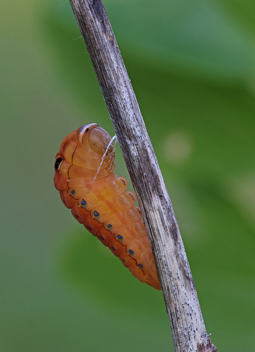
(99, 199)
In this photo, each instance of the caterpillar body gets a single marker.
(99, 200)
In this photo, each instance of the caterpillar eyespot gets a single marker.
(58, 163)
(84, 175)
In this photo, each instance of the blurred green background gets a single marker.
(192, 66)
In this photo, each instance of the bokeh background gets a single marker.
(192, 65)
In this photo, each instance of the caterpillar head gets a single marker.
(96, 137)
(88, 147)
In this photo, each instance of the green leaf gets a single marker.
(198, 37)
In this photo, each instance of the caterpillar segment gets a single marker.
(99, 200)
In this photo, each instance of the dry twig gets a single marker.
(186, 320)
